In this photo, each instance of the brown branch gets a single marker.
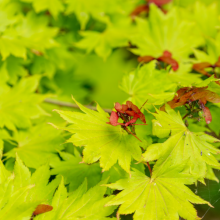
(148, 165)
(70, 105)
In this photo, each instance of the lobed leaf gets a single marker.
(102, 141)
(182, 144)
(163, 196)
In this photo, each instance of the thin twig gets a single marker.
(148, 165)
(70, 105)
(186, 115)
(132, 133)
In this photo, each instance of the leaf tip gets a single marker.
(49, 123)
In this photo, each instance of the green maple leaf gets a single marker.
(103, 43)
(163, 196)
(80, 204)
(213, 51)
(14, 101)
(11, 69)
(22, 193)
(7, 16)
(53, 6)
(145, 84)
(75, 172)
(37, 146)
(41, 65)
(10, 45)
(100, 10)
(36, 33)
(182, 144)
(102, 141)
(205, 25)
(161, 32)
(84, 9)
(31, 33)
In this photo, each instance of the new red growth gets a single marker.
(192, 96)
(129, 113)
(165, 58)
(201, 68)
(145, 8)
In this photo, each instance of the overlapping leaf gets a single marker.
(11, 69)
(163, 196)
(31, 33)
(99, 10)
(182, 144)
(80, 204)
(103, 43)
(102, 141)
(207, 25)
(75, 172)
(37, 146)
(17, 100)
(53, 6)
(145, 84)
(164, 32)
(22, 193)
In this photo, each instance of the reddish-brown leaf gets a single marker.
(120, 108)
(145, 59)
(139, 10)
(167, 58)
(42, 208)
(123, 111)
(159, 2)
(114, 119)
(207, 115)
(212, 97)
(200, 68)
(188, 95)
(217, 64)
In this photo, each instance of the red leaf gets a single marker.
(136, 110)
(139, 10)
(217, 64)
(207, 115)
(200, 68)
(159, 2)
(42, 208)
(145, 59)
(120, 108)
(167, 58)
(123, 111)
(132, 121)
(114, 119)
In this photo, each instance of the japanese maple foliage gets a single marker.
(146, 8)
(62, 159)
(129, 113)
(166, 58)
(195, 96)
(201, 67)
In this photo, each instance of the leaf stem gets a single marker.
(148, 165)
(131, 133)
(186, 115)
